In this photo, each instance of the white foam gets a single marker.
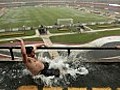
(26, 72)
(65, 69)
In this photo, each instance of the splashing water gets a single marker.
(68, 66)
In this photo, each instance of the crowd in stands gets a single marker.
(103, 4)
(95, 1)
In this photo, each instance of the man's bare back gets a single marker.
(35, 66)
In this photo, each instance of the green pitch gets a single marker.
(34, 16)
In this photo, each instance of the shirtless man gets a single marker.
(33, 65)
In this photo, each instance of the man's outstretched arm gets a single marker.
(23, 50)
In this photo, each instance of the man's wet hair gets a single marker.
(29, 49)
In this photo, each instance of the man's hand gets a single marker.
(17, 39)
(11, 41)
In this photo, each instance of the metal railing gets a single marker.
(62, 48)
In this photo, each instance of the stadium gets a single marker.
(86, 31)
(18, 15)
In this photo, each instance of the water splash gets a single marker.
(69, 68)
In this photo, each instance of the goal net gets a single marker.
(65, 21)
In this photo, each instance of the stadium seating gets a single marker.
(103, 4)
(100, 1)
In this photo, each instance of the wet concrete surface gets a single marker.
(100, 75)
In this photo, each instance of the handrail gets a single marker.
(67, 48)
(76, 48)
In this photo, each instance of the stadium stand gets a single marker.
(102, 4)
(96, 1)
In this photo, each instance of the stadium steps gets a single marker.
(88, 28)
(48, 43)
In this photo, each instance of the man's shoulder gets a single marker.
(33, 59)
(29, 59)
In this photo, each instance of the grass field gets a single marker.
(82, 38)
(34, 16)
(37, 39)
(105, 26)
(16, 34)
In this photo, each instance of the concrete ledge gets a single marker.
(30, 87)
(106, 88)
(33, 87)
(118, 89)
(73, 88)
(52, 88)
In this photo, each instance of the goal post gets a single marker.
(65, 21)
